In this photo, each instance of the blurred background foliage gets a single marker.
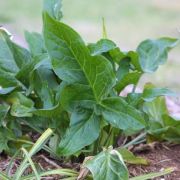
(128, 22)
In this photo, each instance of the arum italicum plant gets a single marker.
(61, 83)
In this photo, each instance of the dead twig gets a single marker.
(50, 161)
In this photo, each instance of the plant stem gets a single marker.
(134, 88)
(104, 29)
(110, 137)
(134, 141)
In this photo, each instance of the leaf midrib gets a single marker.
(84, 72)
(74, 54)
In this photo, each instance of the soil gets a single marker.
(160, 158)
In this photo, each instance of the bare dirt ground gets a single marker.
(160, 158)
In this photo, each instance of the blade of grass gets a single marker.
(153, 175)
(70, 178)
(66, 172)
(8, 170)
(31, 163)
(62, 172)
(40, 142)
(35, 148)
(45, 147)
(4, 176)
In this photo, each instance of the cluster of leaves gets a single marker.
(73, 88)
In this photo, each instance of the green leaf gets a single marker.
(53, 142)
(117, 55)
(21, 105)
(45, 73)
(4, 91)
(5, 136)
(108, 165)
(4, 108)
(7, 79)
(36, 43)
(130, 78)
(123, 69)
(24, 73)
(134, 99)
(168, 130)
(48, 112)
(12, 56)
(172, 134)
(134, 57)
(170, 121)
(153, 53)
(102, 46)
(38, 123)
(125, 75)
(150, 93)
(155, 109)
(159, 133)
(75, 95)
(72, 61)
(39, 77)
(41, 81)
(53, 8)
(130, 158)
(119, 114)
(78, 135)
(21, 55)
(160, 125)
